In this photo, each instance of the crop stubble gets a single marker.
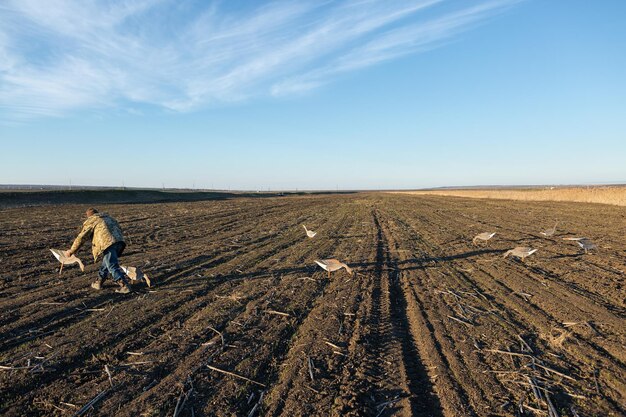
(429, 326)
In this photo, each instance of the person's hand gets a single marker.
(68, 253)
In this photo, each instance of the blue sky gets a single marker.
(312, 94)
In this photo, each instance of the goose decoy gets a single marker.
(550, 232)
(586, 244)
(135, 273)
(583, 242)
(309, 233)
(483, 236)
(332, 265)
(521, 252)
(66, 260)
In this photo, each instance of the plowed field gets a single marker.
(242, 322)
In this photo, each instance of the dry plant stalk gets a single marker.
(235, 375)
(467, 323)
(279, 313)
(526, 345)
(554, 371)
(106, 369)
(221, 335)
(332, 345)
(504, 352)
(310, 362)
(90, 404)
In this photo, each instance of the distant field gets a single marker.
(615, 195)
(14, 198)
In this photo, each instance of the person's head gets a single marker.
(90, 212)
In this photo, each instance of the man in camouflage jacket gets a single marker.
(107, 242)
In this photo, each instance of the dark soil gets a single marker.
(430, 325)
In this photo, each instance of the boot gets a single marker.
(124, 288)
(97, 284)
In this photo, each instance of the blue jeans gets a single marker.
(110, 263)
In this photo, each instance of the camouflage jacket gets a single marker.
(105, 231)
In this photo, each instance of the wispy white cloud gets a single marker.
(59, 56)
(393, 43)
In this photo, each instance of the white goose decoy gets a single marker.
(135, 273)
(583, 242)
(332, 265)
(66, 260)
(520, 252)
(483, 236)
(309, 233)
(550, 232)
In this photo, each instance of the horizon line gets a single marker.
(75, 187)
